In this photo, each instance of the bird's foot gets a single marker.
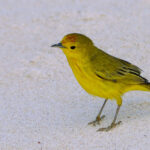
(97, 121)
(113, 125)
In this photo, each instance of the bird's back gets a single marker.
(115, 69)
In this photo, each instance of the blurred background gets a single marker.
(42, 107)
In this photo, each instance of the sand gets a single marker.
(42, 107)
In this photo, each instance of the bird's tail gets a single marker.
(142, 87)
(139, 87)
(146, 86)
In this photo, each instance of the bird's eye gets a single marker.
(72, 47)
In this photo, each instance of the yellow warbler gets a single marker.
(101, 74)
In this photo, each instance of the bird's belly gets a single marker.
(94, 85)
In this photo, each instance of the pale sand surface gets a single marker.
(42, 107)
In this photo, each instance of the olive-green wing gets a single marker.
(113, 69)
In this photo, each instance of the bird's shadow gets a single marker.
(83, 111)
(140, 109)
(130, 110)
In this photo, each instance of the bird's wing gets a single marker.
(113, 69)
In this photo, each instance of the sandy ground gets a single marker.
(42, 107)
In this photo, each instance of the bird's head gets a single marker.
(75, 45)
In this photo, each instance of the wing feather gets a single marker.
(114, 69)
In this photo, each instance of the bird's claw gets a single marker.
(97, 121)
(113, 125)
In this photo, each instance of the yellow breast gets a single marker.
(91, 83)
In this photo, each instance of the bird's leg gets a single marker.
(113, 124)
(99, 117)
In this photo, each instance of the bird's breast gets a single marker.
(86, 77)
(92, 83)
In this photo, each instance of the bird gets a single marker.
(101, 74)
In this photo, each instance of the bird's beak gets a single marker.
(58, 45)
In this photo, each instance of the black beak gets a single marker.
(58, 45)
